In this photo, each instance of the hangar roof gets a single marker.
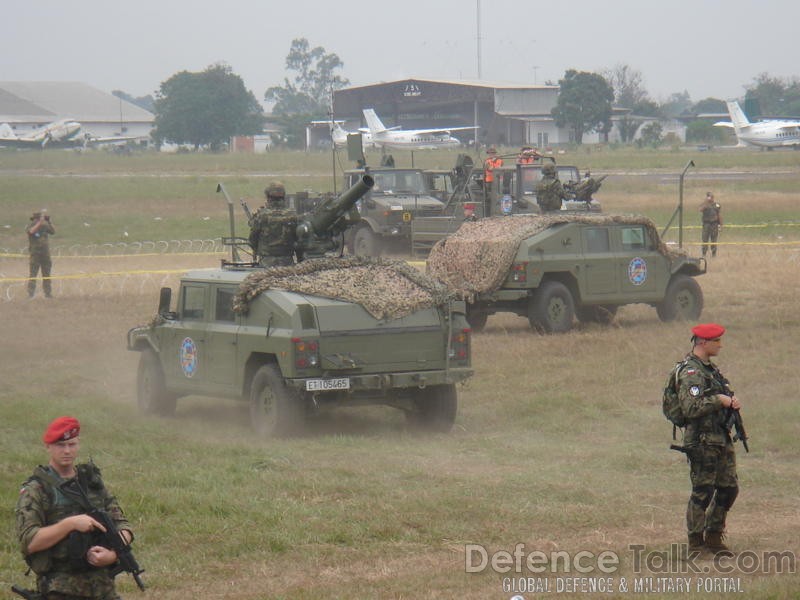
(30, 101)
(407, 94)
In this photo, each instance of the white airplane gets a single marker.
(766, 134)
(65, 133)
(395, 137)
(339, 136)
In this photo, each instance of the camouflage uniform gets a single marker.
(41, 504)
(39, 249)
(273, 229)
(273, 237)
(712, 219)
(712, 460)
(549, 191)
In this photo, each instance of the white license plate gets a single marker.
(323, 385)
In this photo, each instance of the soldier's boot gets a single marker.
(715, 543)
(696, 544)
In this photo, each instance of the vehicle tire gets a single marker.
(596, 313)
(476, 318)
(551, 309)
(275, 409)
(152, 396)
(366, 243)
(683, 300)
(435, 408)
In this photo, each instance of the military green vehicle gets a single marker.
(554, 267)
(326, 332)
(464, 195)
(388, 209)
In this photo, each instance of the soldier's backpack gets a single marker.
(670, 403)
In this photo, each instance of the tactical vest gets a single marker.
(711, 213)
(274, 232)
(549, 192)
(710, 428)
(58, 506)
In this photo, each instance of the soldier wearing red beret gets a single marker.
(706, 401)
(50, 522)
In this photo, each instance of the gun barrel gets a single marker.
(330, 212)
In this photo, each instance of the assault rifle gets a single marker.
(27, 594)
(110, 538)
(733, 421)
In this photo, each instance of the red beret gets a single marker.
(708, 331)
(63, 428)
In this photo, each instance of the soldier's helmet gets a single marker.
(548, 169)
(275, 192)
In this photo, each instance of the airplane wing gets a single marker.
(442, 130)
(727, 124)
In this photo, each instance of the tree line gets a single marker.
(206, 109)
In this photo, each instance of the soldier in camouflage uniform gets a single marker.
(39, 230)
(706, 401)
(549, 191)
(272, 229)
(53, 529)
(712, 223)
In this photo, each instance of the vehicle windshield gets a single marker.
(398, 182)
(532, 175)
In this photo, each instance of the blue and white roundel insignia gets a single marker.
(637, 271)
(188, 356)
(694, 391)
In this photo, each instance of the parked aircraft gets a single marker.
(395, 137)
(65, 133)
(766, 134)
(339, 136)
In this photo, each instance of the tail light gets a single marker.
(306, 353)
(519, 272)
(459, 347)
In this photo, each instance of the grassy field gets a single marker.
(559, 445)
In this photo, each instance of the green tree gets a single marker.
(679, 103)
(710, 105)
(205, 109)
(651, 135)
(704, 132)
(584, 103)
(145, 102)
(775, 96)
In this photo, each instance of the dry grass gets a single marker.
(559, 444)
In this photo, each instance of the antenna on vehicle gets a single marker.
(234, 251)
(333, 144)
(679, 210)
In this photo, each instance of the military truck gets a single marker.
(554, 267)
(514, 193)
(326, 332)
(398, 197)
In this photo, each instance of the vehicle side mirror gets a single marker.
(164, 299)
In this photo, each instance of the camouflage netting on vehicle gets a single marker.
(477, 257)
(386, 289)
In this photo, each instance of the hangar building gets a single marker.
(506, 114)
(27, 105)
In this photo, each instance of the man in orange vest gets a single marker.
(527, 156)
(491, 163)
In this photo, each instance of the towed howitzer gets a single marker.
(315, 234)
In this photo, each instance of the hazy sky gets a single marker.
(709, 48)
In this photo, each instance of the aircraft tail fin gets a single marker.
(7, 132)
(373, 122)
(738, 118)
